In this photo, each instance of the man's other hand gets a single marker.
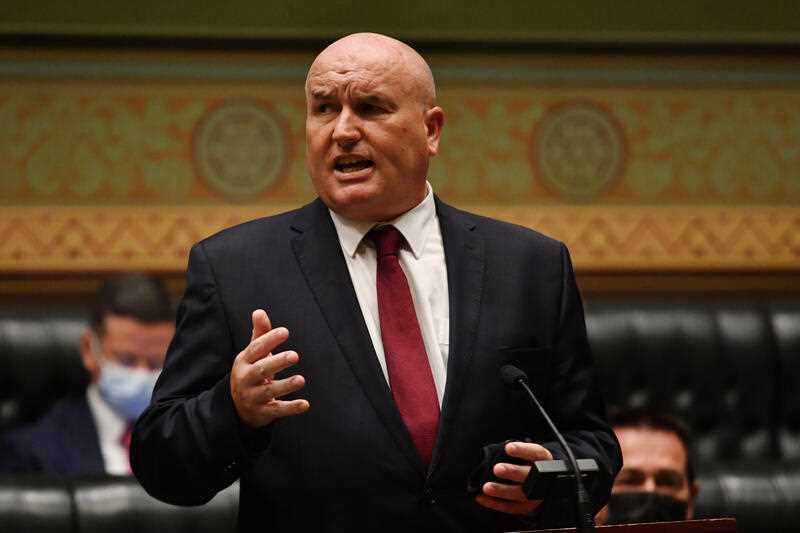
(508, 497)
(254, 390)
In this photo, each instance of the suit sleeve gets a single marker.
(575, 404)
(189, 443)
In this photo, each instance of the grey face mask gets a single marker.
(641, 507)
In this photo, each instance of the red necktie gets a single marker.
(406, 360)
(125, 441)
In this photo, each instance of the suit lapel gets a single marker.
(81, 452)
(464, 254)
(319, 255)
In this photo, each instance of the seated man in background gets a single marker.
(657, 480)
(122, 349)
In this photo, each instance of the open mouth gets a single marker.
(353, 165)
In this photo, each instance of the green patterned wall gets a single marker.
(449, 20)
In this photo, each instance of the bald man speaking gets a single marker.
(342, 360)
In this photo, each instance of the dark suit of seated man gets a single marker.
(350, 377)
(123, 350)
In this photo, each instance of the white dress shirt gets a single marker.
(110, 429)
(422, 260)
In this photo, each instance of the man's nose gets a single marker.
(347, 130)
(649, 485)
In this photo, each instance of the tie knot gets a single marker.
(387, 239)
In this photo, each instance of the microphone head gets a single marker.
(512, 375)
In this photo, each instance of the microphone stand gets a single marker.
(583, 504)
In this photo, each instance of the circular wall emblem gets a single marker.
(578, 149)
(239, 148)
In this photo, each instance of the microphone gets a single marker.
(514, 377)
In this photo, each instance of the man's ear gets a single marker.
(434, 122)
(88, 357)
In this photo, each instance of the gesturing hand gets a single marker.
(255, 393)
(508, 497)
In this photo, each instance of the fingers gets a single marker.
(279, 409)
(506, 499)
(280, 387)
(263, 345)
(508, 506)
(265, 368)
(255, 393)
(509, 497)
(528, 451)
(515, 473)
(261, 324)
(266, 403)
(265, 412)
(251, 396)
(258, 405)
(504, 491)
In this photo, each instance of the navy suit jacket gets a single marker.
(349, 462)
(63, 442)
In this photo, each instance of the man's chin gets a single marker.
(366, 201)
(364, 208)
(362, 211)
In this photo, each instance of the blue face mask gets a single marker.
(127, 390)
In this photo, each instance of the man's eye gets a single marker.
(126, 359)
(669, 480)
(630, 478)
(324, 108)
(368, 109)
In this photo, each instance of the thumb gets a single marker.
(261, 324)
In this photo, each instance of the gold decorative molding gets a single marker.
(81, 239)
(643, 165)
(612, 238)
(680, 238)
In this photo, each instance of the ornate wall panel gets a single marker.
(601, 238)
(112, 161)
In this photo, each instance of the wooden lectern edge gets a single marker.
(709, 525)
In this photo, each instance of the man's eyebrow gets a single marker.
(375, 97)
(321, 93)
(372, 98)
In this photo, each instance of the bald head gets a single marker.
(372, 125)
(373, 49)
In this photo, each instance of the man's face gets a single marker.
(129, 342)
(369, 132)
(654, 461)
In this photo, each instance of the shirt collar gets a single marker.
(109, 424)
(414, 224)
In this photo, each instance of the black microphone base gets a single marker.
(555, 478)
